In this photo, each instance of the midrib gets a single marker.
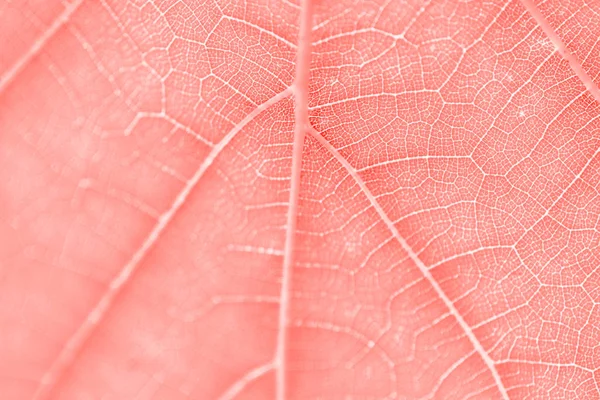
(300, 89)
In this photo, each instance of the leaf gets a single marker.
(168, 233)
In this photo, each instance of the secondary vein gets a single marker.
(561, 48)
(415, 258)
(10, 75)
(107, 301)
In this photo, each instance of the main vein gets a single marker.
(301, 125)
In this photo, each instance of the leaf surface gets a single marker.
(167, 234)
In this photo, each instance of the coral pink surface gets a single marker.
(316, 200)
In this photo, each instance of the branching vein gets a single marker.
(79, 338)
(575, 65)
(415, 258)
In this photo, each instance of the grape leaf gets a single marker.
(272, 199)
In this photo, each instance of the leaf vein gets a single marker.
(415, 258)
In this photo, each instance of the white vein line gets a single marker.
(415, 258)
(447, 373)
(263, 30)
(575, 65)
(245, 380)
(559, 198)
(39, 44)
(301, 124)
(80, 336)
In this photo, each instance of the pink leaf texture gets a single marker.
(299, 199)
